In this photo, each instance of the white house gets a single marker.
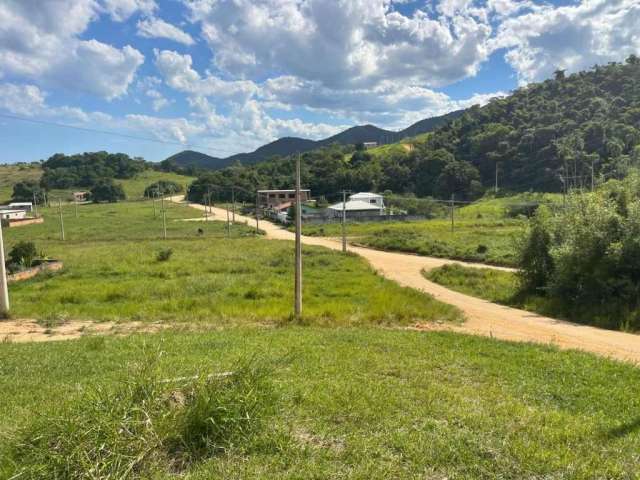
(356, 208)
(26, 206)
(368, 197)
(12, 214)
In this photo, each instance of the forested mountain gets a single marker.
(545, 137)
(292, 145)
(554, 132)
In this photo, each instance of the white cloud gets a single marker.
(121, 10)
(39, 41)
(574, 37)
(351, 43)
(178, 72)
(157, 28)
(25, 100)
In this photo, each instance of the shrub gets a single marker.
(162, 187)
(164, 255)
(145, 427)
(23, 253)
(106, 190)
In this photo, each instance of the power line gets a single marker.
(117, 134)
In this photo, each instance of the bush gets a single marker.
(23, 253)
(106, 190)
(162, 187)
(146, 427)
(164, 255)
(26, 192)
(587, 256)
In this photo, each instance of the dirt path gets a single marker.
(483, 317)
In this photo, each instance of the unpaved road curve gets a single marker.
(483, 317)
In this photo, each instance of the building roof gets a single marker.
(365, 195)
(283, 191)
(21, 204)
(355, 206)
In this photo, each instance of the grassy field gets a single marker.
(483, 231)
(472, 240)
(334, 403)
(12, 174)
(133, 187)
(112, 273)
(502, 287)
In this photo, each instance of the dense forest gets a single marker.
(87, 169)
(559, 134)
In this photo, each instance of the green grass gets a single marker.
(352, 403)
(112, 273)
(495, 286)
(12, 174)
(485, 241)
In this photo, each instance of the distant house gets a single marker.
(26, 206)
(363, 204)
(372, 198)
(80, 196)
(368, 145)
(12, 214)
(274, 198)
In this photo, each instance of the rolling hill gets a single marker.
(290, 145)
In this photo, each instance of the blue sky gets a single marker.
(227, 76)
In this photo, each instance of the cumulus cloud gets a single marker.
(347, 43)
(573, 37)
(39, 41)
(157, 28)
(121, 10)
(178, 72)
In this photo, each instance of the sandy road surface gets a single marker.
(483, 317)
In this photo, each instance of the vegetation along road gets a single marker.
(482, 317)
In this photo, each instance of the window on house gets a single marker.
(373, 200)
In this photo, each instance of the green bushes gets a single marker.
(588, 255)
(164, 254)
(147, 426)
(106, 190)
(162, 187)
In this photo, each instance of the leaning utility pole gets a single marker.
(298, 280)
(4, 291)
(61, 220)
(344, 221)
(164, 219)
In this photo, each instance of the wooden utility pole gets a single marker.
(75, 201)
(452, 208)
(228, 222)
(61, 220)
(233, 204)
(298, 280)
(496, 190)
(4, 291)
(35, 205)
(257, 214)
(153, 199)
(344, 221)
(164, 219)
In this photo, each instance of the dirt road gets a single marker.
(483, 317)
